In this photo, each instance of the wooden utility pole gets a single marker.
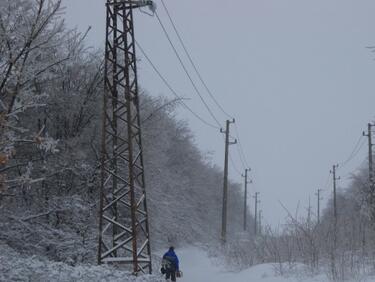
(225, 188)
(318, 206)
(257, 201)
(245, 199)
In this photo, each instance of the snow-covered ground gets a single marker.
(15, 267)
(198, 267)
(195, 264)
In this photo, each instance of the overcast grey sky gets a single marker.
(296, 75)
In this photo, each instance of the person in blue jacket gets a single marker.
(170, 264)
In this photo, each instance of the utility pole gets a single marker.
(245, 198)
(309, 213)
(257, 201)
(225, 186)
(370, 169)
(333, 252)
(318, 207)
(123, 218)
(333, 171)
(260, 222)
(370, 164)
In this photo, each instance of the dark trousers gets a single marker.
(170, 274)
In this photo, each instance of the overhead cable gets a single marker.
(234, 166)
(171, 89)
(192, 62)
(357, 148)
(186, 71)
(246, 164)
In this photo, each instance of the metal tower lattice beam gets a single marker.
(124, 236)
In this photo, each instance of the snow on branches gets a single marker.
(34, 43)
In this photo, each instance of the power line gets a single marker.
(357, 148)
(356, 153)
(171, 89)
(327, 181)
(179, 97)
(239, 148)
(240, 156)
(192, 62)
(234, 166)
(231, 159)
(246, 164)
(243, 162)
(240, 152)
(186, 71)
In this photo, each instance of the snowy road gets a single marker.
(197, 267)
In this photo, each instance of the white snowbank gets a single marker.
(195, 264)
(197, 267)
(14, 267)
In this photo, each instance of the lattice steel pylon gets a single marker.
(124, 236)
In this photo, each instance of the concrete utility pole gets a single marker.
(318, 207)
(245, 199)
(333, 171)
(123, 217)
(333, 252)
(225, 186)
(257, 201)
(309, 212)
(370, 164)
(260, 222)
(370, 169)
